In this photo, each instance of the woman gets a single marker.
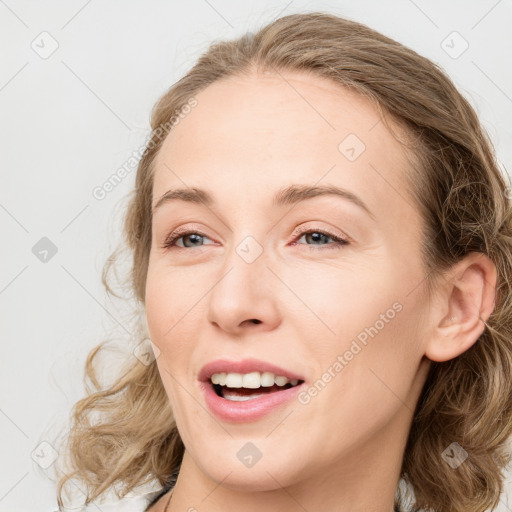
(321, 243)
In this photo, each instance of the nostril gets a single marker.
(256, 321)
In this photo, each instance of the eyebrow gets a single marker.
(292, 194)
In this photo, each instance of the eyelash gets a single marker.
(170, 241)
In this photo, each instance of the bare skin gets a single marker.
(342, 450)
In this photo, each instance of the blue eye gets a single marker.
(195, 236)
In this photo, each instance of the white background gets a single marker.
(71, 120)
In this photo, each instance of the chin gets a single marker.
(250, 480)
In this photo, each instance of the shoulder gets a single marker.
(127, 504)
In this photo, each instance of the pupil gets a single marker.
(191, 236)
(315, 236)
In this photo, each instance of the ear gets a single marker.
(465, 299)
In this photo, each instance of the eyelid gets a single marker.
(307, 228)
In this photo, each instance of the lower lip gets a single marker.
(247, 410)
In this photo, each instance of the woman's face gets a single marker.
(346, 317)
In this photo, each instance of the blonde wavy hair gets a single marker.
(458, 187)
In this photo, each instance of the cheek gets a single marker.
(166, 323)
(176, 308)
(157, 307)
(365, 329)
(373, 375)
(166, 308)
(170, 293)
(339, 303)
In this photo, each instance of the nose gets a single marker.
(245, 296)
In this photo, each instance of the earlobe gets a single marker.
(465, 299)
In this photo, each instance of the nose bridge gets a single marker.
(245, 268)
(249, 242)
(250, 250)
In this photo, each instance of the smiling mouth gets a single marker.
(243, 394)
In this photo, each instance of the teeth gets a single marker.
(267, 379)
(252, 380)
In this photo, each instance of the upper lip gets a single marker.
(244, 366)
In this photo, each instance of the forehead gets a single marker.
(255, 134)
